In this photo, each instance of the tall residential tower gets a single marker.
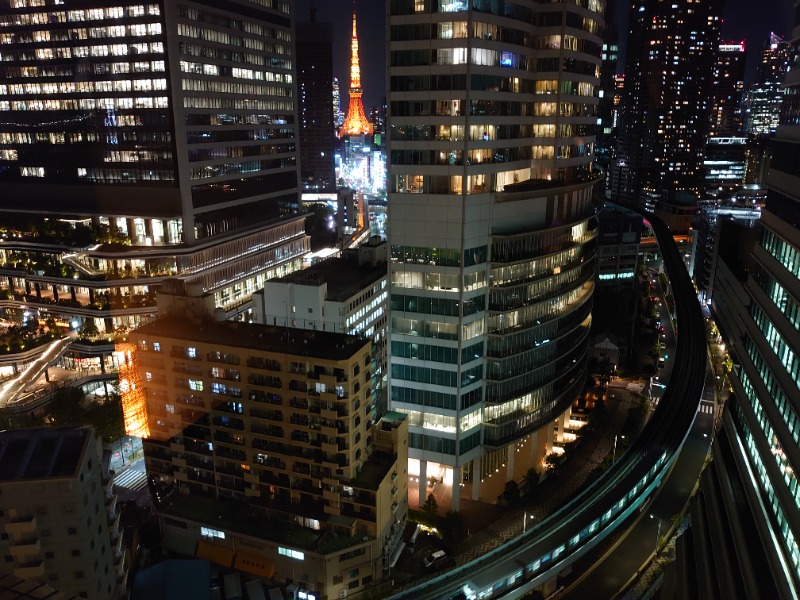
(492, 228)
(671, 52)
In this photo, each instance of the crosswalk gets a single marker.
(706, 408)
(131, 480)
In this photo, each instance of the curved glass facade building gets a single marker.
(492, 227)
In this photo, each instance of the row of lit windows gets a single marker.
(529, 316)
(77, 137)
(218, 20)
(83, 51)
(236, 72)
(77, 16)
(86, 104)
(775, 446)
(786, 254)
(108, 175)
(781, 298)
(253, 166)
(437, 281)
(772, 499)
(438, 329)
(226, 87)
(126, 156)
(783, 351)
(141, 66)
(65, 35)
(84, 87)
(221, 37)
(237, 103)
(215, 53)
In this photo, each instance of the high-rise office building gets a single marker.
(762, 102)
(608, 73)
(315, 91)
(338, 115)
(668, 74)
(492, 111)
(727, 87)
(139, 141)
(754, 551)
(59, 514)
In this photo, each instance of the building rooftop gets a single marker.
(344, 277)
(41, 453)
(265, 338)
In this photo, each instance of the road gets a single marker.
(610, 573)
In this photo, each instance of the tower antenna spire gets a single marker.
(356, 122)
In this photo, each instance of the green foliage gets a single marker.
(511, 492)
(106, 417)
(453, 527)
(88, 329)
(431, 505)
(530, 482)
(67, 407)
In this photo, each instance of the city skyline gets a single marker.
(740, 23)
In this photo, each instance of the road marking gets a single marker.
(131, 480)
(707, 409)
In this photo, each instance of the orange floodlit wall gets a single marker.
(134, 407)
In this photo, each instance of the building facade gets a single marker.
(348, 295)
(316, 104)
(763, 100)
(668, 75)
(757, 450)
(264, 436)
(143, 141)
(725, 117)
(492, 230)
(58, 513)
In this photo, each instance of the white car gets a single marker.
(433, 558)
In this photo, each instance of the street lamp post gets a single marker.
(658, 532)
(614, 453)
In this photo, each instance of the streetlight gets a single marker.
(658, 533)
(525, 520)
(614, 454)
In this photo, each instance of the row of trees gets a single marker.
(68, 407)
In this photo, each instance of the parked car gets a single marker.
(434, 558)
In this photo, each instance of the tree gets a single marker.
(453, 527)
(511, 492)
(530, 482)
(65, 407)
(106, 417)
(431, 506)
(89, 328)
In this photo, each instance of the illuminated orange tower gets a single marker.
(356, 122)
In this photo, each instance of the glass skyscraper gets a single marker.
(144, 140)
(492, 112)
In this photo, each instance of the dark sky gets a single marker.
(371, 41)
(749, 20)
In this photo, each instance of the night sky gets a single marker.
(749, 20)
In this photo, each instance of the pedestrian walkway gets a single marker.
(10, 390)
(551, 495)
(131, 479)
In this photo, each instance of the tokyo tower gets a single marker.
(356, 122)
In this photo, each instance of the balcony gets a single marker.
(31, 570)
(21, 549)
(21, 526)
